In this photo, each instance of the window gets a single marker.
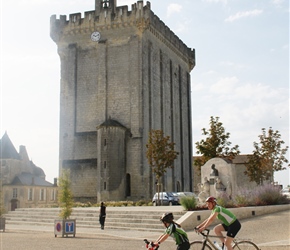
(105, 164)
(14, 195)
(105, 186)
(30, 194)
(178, 189)
(53, 194)
(42, 194)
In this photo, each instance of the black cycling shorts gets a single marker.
(183, 246)
(232, 229)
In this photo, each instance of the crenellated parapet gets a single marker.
(107, 19)
(140, 16)
(167, 36)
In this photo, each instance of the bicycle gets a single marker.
(207, 244)
(150, 245)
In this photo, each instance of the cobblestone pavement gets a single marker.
(268, 231)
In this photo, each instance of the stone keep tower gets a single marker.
(123, 73)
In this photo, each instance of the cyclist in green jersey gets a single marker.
(175, 231)
(230, 223)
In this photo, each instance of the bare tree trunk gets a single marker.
(158, 191)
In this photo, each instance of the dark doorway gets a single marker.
(13, 204)
(128, 185)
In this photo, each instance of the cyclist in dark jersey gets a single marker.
(175, 231)
(230, 223)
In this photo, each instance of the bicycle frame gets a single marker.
(237, 244)
(206, 238)
(211, 243)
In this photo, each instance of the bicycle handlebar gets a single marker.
(151, 244)
(204, 233)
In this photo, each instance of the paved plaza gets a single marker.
(268, 231)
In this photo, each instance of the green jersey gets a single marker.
(177, 233)
(226, 216)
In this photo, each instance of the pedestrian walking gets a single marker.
(102, 215)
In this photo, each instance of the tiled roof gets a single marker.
(27, 179)
(7, 149)
(37, 170)
(111, 123)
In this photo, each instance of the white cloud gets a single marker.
(125, 2)
(210, 72)
(48, 2)
(258, 92)
(233, 65)
(278, 2)
(243, 14)
(224, 86)
(244, 108)
(173, 8)
(216, 1)
(197, 86)
(180, 27)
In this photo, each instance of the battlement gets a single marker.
(140, 16)
(107, 18)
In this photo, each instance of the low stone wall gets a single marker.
(193, 218)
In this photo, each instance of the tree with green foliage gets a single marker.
(215, 145)
(160, 153)
(268, 156)
(65, 197)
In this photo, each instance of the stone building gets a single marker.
(23, 184)
(123, 73)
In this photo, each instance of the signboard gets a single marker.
(64, 227)
(69, 226)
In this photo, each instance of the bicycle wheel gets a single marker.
(245, 245)
(197, 245)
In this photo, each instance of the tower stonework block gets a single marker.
(123, 73)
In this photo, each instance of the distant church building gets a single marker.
(22, 183)
(123, 73)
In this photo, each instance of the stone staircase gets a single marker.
(122, 219)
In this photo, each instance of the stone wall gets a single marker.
(193, 218)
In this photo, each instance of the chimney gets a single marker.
(23, 153)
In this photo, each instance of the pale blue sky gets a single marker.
(241, 73)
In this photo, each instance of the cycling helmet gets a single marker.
(167, 217)
(211, 199)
